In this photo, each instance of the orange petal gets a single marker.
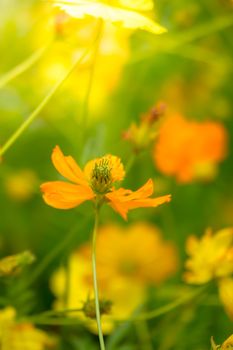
(123, 200)
(62, 195)
(116, 201)
(67, 167)
(149, 202)
(144, 191)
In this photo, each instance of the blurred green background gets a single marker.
(189, 68)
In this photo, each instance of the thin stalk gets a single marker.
(173, 42)
(143, 335)
(46, 317)
(43, 103)
(169, 307)
(85, 112)
(67, 282)
(94, 271)
(23, 66)
(130, 162)
(55, 313)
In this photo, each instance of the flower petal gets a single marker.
(62, 195)
(144, 191)
(226, 295)
(127, 18)
(67, 167)
(140, 5)
(149, 202)
(123, 200)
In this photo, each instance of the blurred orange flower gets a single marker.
(96, 183)
(211, 257)
(188, 149)
(126, 264)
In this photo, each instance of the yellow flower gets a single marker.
(19, 336)
(125, 269)
(211, 257)
(96, 183)
(226, 295)
(127, 13)
(113, 51)
(21, 185)
(227, 345)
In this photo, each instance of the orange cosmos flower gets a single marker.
(190, 150)
(96, 183)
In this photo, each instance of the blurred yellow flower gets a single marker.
(128, 261)
(113, 51)
(21, 336)
(226, 295)
(190, 150)
(126, 13)
(227, 345)
(211, 257)
(21, 185)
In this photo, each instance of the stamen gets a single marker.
(101, 178)
(89, 307)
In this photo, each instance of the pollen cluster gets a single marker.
(101, 177)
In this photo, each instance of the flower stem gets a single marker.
(85, 112)
(186, 298)
(42, 104)
(96, 292)
(23, 66)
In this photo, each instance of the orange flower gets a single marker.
(95, 183)
(188, 149)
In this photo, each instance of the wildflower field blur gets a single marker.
(116, 168)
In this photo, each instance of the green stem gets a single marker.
(23, 66)
(85, 112)
(143, 335)
(45, 317)
(175, 41)
(130, 162)
(43, 103)
(169, 307)
(96, 292)
(55, 313)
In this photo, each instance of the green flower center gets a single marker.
(101, 178)
(89, 307)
